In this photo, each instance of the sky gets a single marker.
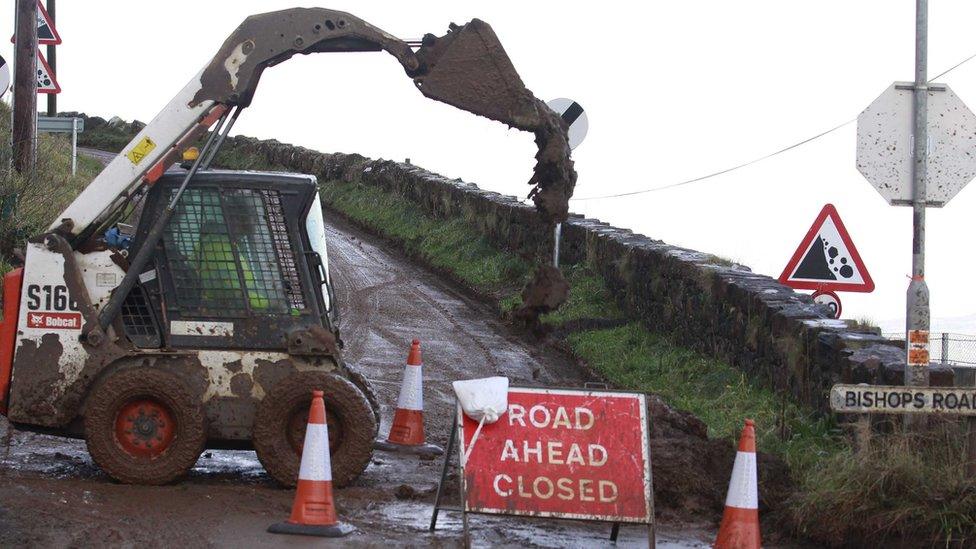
(672, 91)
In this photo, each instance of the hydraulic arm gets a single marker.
(466, 68)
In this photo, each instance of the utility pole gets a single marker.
(24, 135)
(52, 61)
(917, 320)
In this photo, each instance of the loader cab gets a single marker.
(242, 264)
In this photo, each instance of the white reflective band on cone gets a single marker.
(412, 391)
(742, 489)
(316, 462)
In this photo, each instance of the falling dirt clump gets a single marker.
(547, 290)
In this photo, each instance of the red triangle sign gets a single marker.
(47, 35)
(46, 82)
(827, 259)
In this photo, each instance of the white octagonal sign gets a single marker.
(884, 144)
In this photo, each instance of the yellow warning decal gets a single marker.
(141, 149)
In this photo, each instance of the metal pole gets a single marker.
(557, 237)
(945, 348)
(74, 144)
(52, 60)
(24, 134)
(220, 140)
(917, 320)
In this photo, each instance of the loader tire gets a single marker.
(143, 426)
(359, 380)
(279, 426)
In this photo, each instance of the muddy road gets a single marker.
(51, 494)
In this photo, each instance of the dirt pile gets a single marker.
(692, 472)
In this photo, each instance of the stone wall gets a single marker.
(767, 330)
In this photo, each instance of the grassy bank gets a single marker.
(626, 354)
(31, 202)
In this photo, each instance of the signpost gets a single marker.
(916, 159)
(827, 261)
(74, 126)
(559, 453)
(864, 399)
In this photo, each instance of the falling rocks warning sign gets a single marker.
(826, 259)
(561, 453)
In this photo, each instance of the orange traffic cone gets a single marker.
(740, 522)
(407, 432)
(313, 513)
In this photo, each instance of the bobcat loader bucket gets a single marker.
(469, 69)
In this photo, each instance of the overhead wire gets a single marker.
(759, 159)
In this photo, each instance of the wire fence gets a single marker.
(949, 349)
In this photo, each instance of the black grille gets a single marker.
(282, 246)
(225, 250)
(139, 320)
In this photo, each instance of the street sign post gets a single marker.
(827, 261)
(74, 126)
(559, 453)
(864, 399)
(915, 146)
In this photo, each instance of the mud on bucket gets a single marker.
(483, 400)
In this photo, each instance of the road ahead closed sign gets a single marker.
(562, 453)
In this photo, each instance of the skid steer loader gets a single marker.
(210, 324)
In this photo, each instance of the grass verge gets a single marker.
(904, 491)
(628, 355)
(449, 245)
(30, 202)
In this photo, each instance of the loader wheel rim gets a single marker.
(144, 428)
(298, 423)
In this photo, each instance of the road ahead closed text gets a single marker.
(574, 454)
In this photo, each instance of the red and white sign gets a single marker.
(46, 33)
(827, 259)
(54, 321)
(46, 82)
(564, 454)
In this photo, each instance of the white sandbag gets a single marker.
(483, 400)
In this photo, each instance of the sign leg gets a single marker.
(74, 145)
(971, 447)
(440, 487)
(862, 434)
(614, 532)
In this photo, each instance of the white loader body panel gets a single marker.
(123, 174)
